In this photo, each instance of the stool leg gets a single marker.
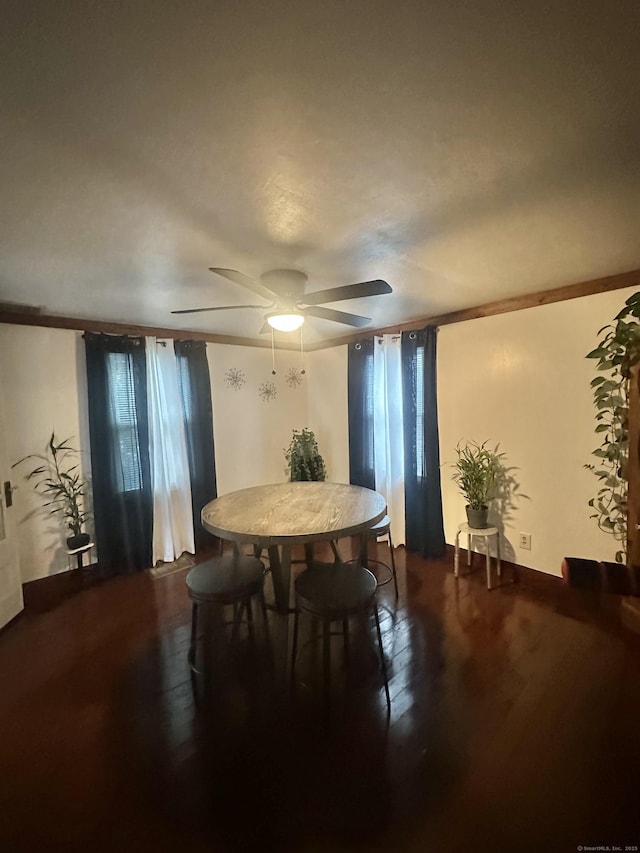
(336, 553)
(456, 557)
(345, 635)
(263, 609)
(393, 563)
(238, 608)
(308, 554)
(249, 609)
(247, 606)
(326, 664)
(194, 635)
(498, 555)
(383, 665)
(486, 539)
(468, 549)
(207, 665)
(265, 622)
(294, 646)
(364, 549)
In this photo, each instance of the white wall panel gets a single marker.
(327, 408)
(44, 391)
(522, 379)
(251, 434)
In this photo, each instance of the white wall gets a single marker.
(44, 391)
(251, 434)
(327, 409)
(522, 379)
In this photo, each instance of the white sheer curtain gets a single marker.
(172, 515)
(388, 432)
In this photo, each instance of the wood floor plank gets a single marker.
(513, 726)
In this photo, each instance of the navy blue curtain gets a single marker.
(119, 433)
(360, 406)
(195, 389)
(423, 497)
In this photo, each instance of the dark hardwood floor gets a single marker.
(513, 727)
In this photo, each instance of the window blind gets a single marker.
(123, 422)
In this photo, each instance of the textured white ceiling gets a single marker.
(463, 151)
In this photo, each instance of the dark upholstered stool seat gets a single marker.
(230, 580)
(225, 580)
(333, 592)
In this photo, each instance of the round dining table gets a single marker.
(282, 515)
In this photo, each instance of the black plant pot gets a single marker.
(477, 518)
(78, 541)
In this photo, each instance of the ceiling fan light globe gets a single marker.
(285, 322)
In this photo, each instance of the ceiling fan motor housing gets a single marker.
(286, 283)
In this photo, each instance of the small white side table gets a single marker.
(79, 553)
(486, 533)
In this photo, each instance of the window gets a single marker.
(185, 388)
(123, 422)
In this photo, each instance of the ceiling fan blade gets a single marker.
(217, 308)
(244, 281)
(337, 316)
(349, 291)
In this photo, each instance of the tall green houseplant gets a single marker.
(478, 473)
(56, 478)
(616, 353)
(303, 457)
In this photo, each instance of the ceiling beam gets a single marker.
(503, 306)
(489, 309)
(53, 321)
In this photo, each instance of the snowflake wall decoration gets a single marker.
(293, 377)
(234, 378)
(267, 392)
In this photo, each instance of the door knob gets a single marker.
(8, 493)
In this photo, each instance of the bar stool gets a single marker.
(230, 580)
(333, 592)
(383, 528)
(484, 532)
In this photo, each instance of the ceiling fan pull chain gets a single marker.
(273, 355)
(302, 370)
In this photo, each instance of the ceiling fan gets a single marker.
(290, 305)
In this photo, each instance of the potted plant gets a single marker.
(57, 479)
(618, 350)
(303, 457)
(478, 474)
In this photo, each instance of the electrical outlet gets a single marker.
(525, 541)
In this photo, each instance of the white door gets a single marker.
(10, 585)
